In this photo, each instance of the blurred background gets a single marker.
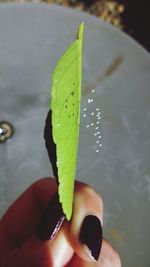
(131, 16)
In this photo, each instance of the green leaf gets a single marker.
(65, 106)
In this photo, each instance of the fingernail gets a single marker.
(91, 235)
(52, 220)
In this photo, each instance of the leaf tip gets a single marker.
(81, 31)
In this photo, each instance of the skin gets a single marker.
(20, 247)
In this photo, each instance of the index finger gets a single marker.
(23, 217)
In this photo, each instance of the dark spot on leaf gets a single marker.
(72, 93)
(65, 106)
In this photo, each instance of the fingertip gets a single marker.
(87, 199)
(109, 255)
(52, 220)
(86, 223)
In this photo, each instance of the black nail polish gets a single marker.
(91, 235)
(52, 220)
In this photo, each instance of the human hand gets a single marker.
(27, 241)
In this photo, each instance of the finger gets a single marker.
(35, 252)
(77, 261)
(85, 227)
(108, 258)
(42, 249)
(22, 218)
